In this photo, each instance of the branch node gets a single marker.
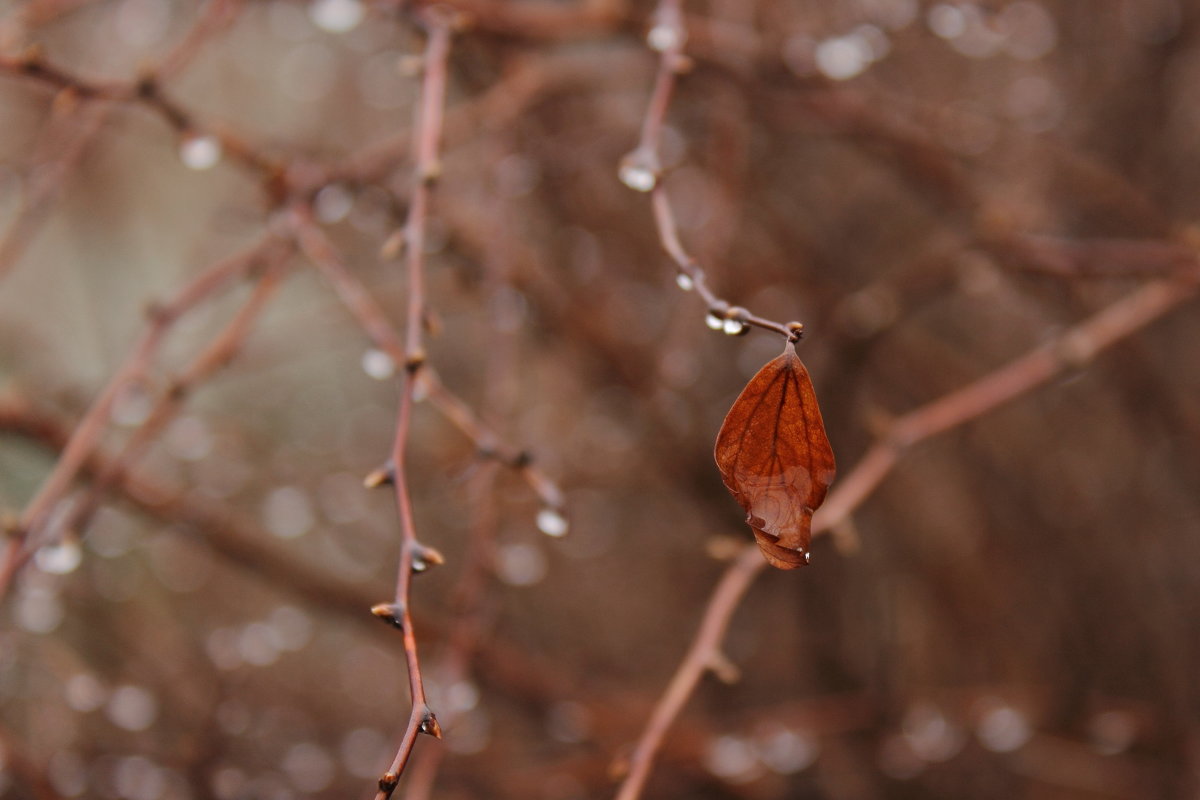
(424, 557)
(726, 671)
(795, 331)
(391, 613)
(383, 476)
(414, 360)
(429, 725)
(388, 782)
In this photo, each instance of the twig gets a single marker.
(219, 352)
(145, 91)
(374, 321)
(73, 126)
(641, 170)
(91, 427)
(1072, 349)
(428, 130)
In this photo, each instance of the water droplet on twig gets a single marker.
(200, 151)
(59, 559)
(552, 523)
(639, 170)
(685, 282)
(336, 16)
(664, 37)
(378, 364)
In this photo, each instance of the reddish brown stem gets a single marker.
(91, 427)
(669, 36)
(1071, 350)
(428, 133)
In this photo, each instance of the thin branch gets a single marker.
(147, 92)
(92, 426)
(374, 321)
(428, 132)
(641, 170)
(73, 126)
(1071, 350)
(223, 348)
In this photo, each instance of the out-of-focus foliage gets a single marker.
(1020, 616)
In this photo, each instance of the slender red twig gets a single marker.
(91, 427)
(218, 353)
(1072, 349)
(428, 130)
(641, 170)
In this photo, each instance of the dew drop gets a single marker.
(132, 708)
(552, 523)
(336, 16)
(786, 751)
(59, 559)
(733, 759)
(333, 203)
(714, 321)
(520, 564)
(200, 151)
(309, 767)
(378, 364)
(733, 327)
(662, 38)
(84, 692)
(1003, 729)
(843, 57)
(131, 407)
(638, 178)
(287, 512)
(685, 282)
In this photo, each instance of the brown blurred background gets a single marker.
(933, 188)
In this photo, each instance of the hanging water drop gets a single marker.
(664, 37)
(59, 559)
(336, 16)
(685, 282)
(200, 151)
(378, 364)
(714, 321)
(734, 327)
(638, 178)
(551, 522)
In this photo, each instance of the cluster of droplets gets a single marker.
(731, 321)
(774, 748)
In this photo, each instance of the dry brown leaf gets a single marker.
(775, 459)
